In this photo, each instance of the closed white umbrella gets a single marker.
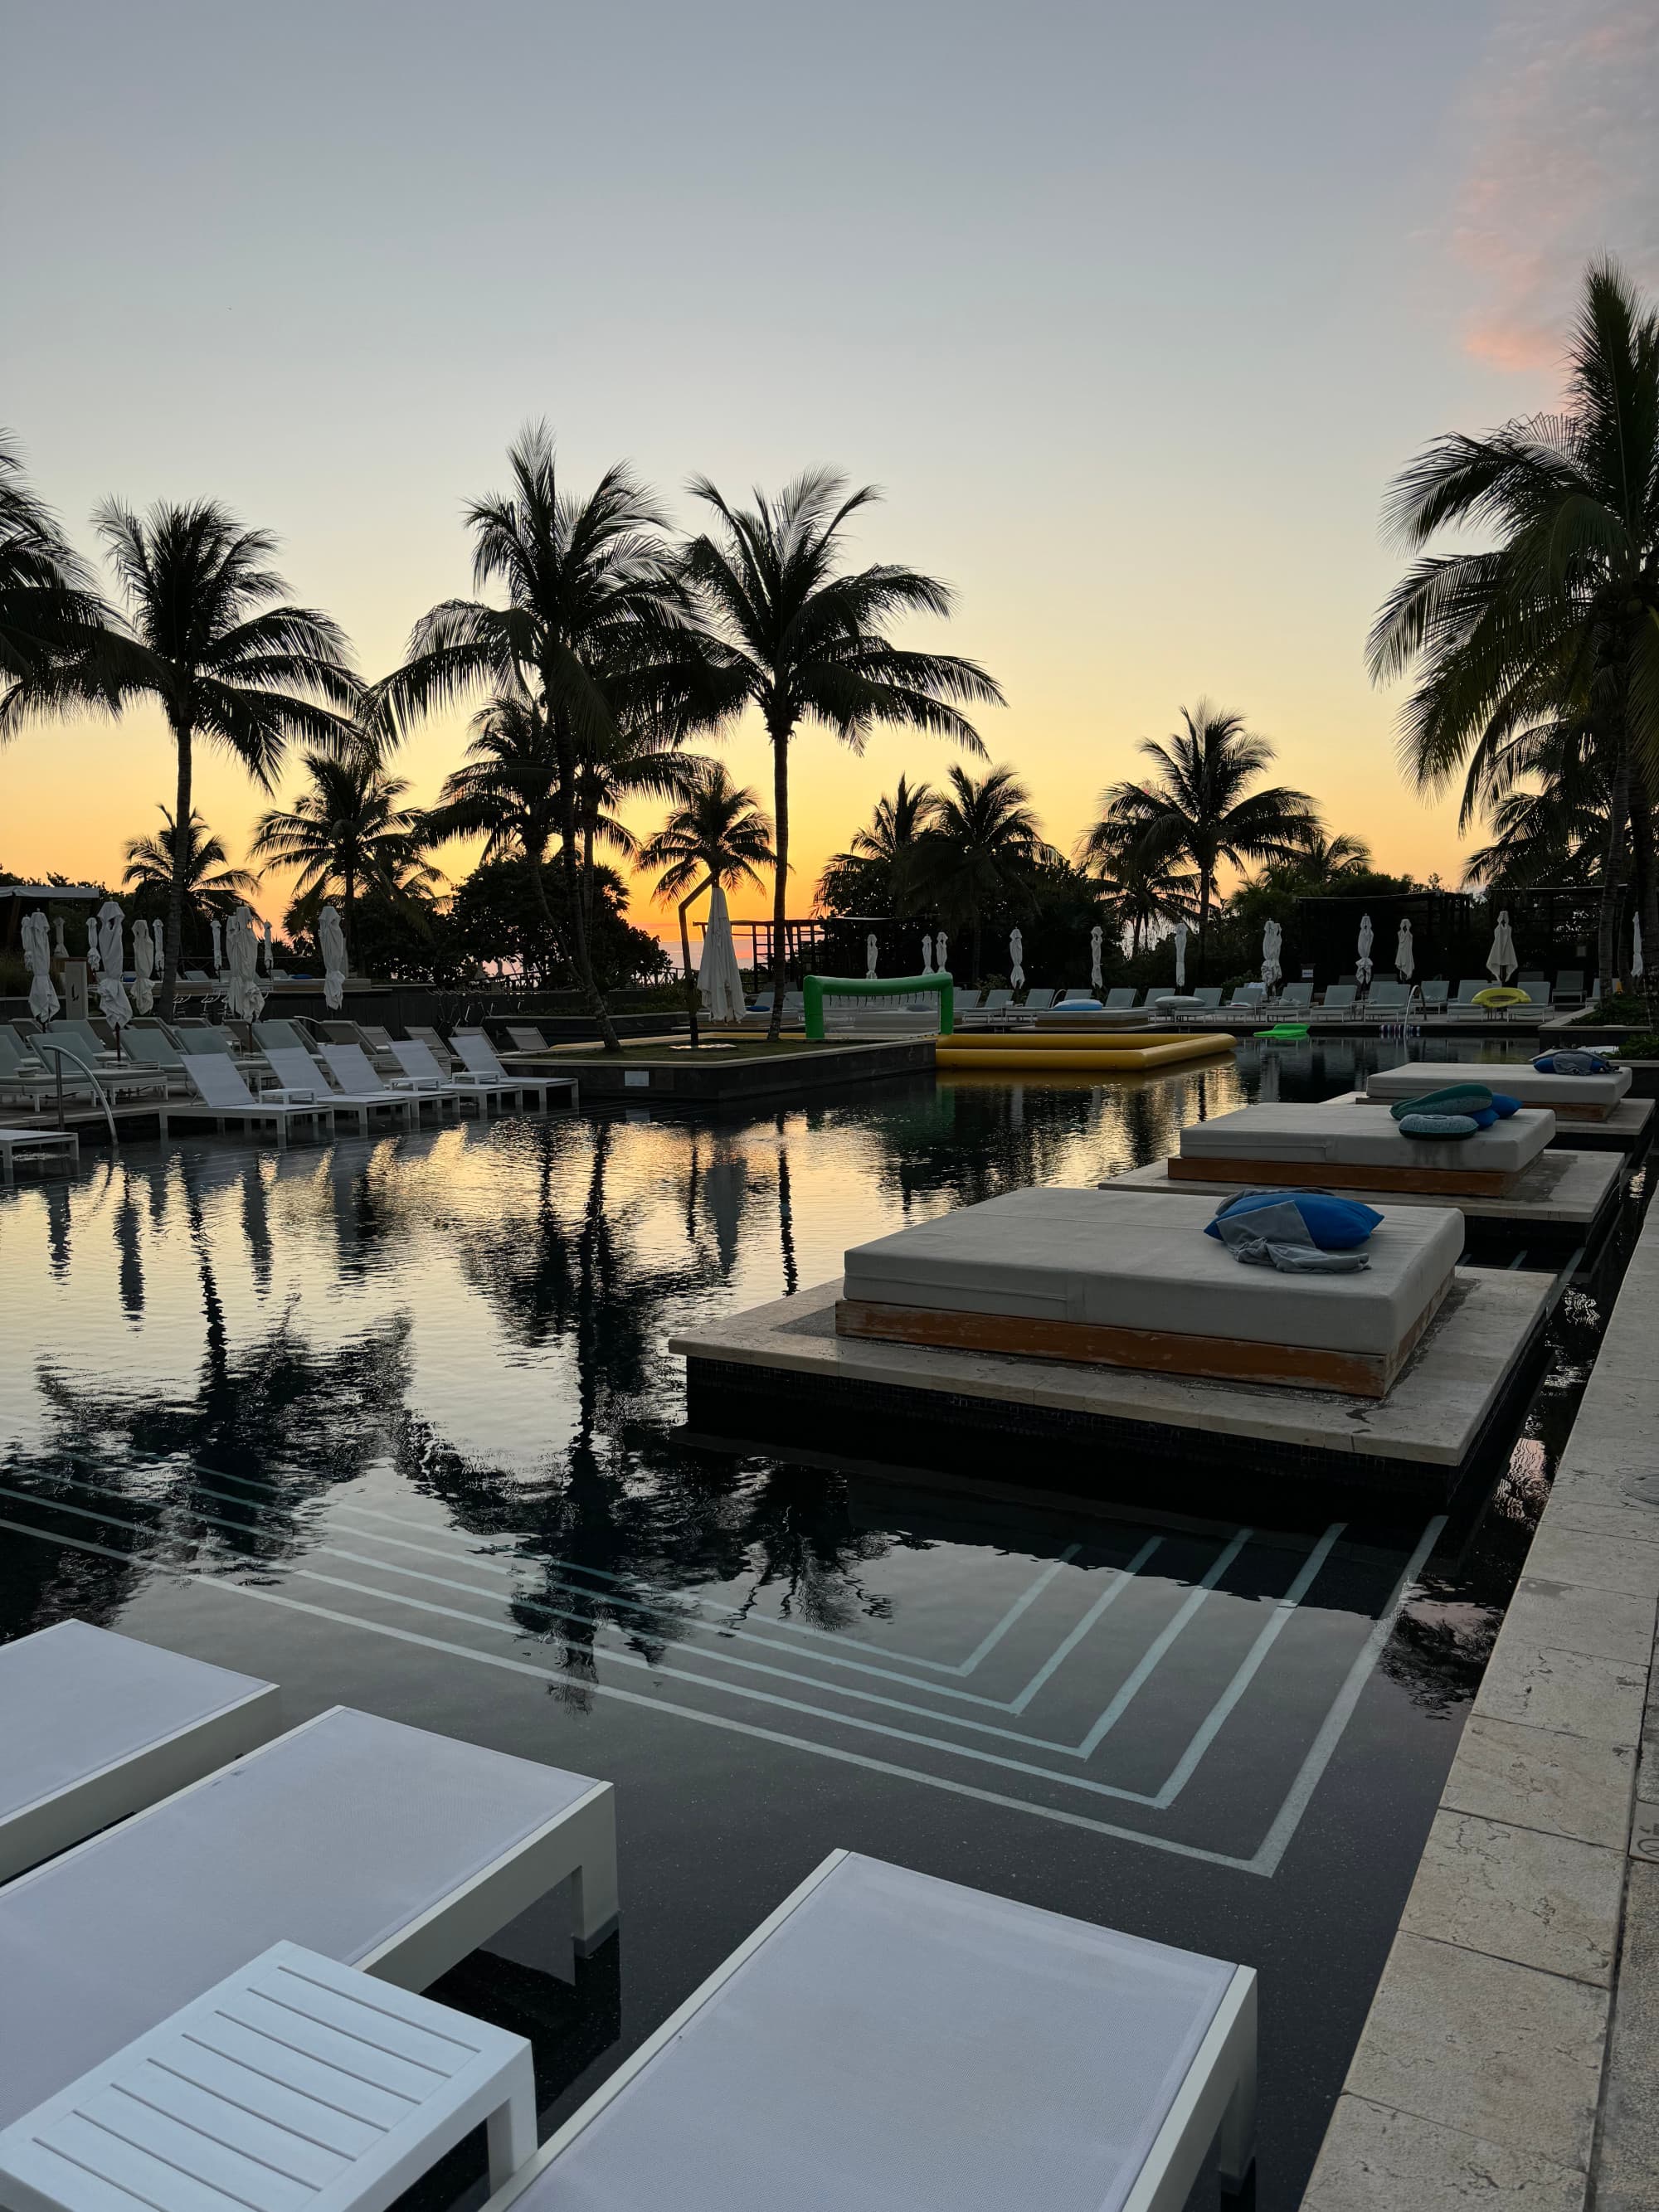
(218, 949)
(1016, 954)
(941, 951)
(270, 964)
(37, 951)
(1362, 966)
(1405, 959)
(719, 980)
(112, 1001)
(331, 940)
(1272, 939)
(1095, 936)
(927, 955)
(244, 1000)
(870, 957)
(144, 966)
(1635, 947)
(1501, 961)
(1181, 955)
(95, 955)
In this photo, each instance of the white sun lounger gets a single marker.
(421, 1072)
(224, 1096)
(483, 1068)
(1570, 1098)
(94, 1726)
(889, 2040)
(294, 2085)
(349, 1067)
(527, 1038)
(300, 1079)
(1122, 1280)
(378, 1844)
(1338, 1147)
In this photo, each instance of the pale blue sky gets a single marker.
(1131, 311)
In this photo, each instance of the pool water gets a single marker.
(391, 1422)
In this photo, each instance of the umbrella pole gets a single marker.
(685, 953)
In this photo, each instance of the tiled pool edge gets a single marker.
(1511, 2056)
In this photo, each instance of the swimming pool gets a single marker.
(391, 1422)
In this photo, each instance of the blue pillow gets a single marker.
(1079, 1006)
(1335, 1225)
(1438, 1126)
(1573, 1061)
(1502, 1105)
(1484, 1116)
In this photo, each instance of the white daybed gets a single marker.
(1130, 1279)
(94, 1726)
(1345, 1148)
(1573, 1097)
(382, 1846)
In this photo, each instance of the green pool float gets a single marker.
(1282, 1032)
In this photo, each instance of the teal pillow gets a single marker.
(1455, 1098)
(1437, 1125)
(1335, 1225)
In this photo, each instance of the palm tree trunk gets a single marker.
(173, 942)
(781, 871)
(1203, 923)
(535, 861)
(1644, 886)
(348, 929)
(1612, 872)
(581, 953)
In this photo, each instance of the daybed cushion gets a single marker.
(1519, 1081)
(1352, 1136)
(1143, 1261)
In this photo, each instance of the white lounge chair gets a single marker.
(300, 1079)
(95, 1726)
(886, 2038)
(527, 1037)
(24, 1073)
(423, 1033)
(222, 1097)
(382, 1846)
(421, 1072)
(481, 1066)
(294, 2085)
(349, 1064)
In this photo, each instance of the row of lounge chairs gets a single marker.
(206, 2004)
(276, 1075)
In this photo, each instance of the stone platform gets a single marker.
(1562, 1199)
(779, 1373)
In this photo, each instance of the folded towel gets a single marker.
(1573, 1063)
(1455, 1098)
(1272, 1234)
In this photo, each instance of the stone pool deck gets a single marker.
(1511, 2056)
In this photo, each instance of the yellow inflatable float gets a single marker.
(1030, 1052)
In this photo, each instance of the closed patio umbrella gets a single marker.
(218, 947)
(37, 952)
(244, 1000)
(940, 952)
(1272, 939)
(1016, 955)
(1095, 936)
(718, 977)
(143, 968)
(1181, 956)
(870, 957)
(331, 939)
(1405, 960)
(1501, 960)
(1362, 966)
(112, 1001)
(928, 955)
(1634, 948)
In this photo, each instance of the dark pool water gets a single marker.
(392, 1422)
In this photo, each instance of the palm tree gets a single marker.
(884, 853)
(1199, 810)
(1325, 861)
(979, 849)
(1558, 619)
(346, 834)
(1138, 893)
(213, 889)
(807, 640)
(53, 626)
(717, 835)
(595, 630)
(506, 791)
(649, 762)
(228, 666)
(1546, 794)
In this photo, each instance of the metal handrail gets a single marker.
(63, 1053)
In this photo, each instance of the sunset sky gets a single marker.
(1131, 310)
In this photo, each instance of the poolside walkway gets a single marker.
(1511, 2054)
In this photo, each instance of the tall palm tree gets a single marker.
(807, 639)
(1325, 860)
(1199, 809)
(229, 667)
(596, 631)
(506, 791)
(346, 834)
(883, 852)
(1545, 795)
(717, 835)
(53, 626)
(213, 889)
(1560, 617)
(1138, 891)
(979, 849)
(646, 762)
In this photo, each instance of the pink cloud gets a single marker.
(1563, 120)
